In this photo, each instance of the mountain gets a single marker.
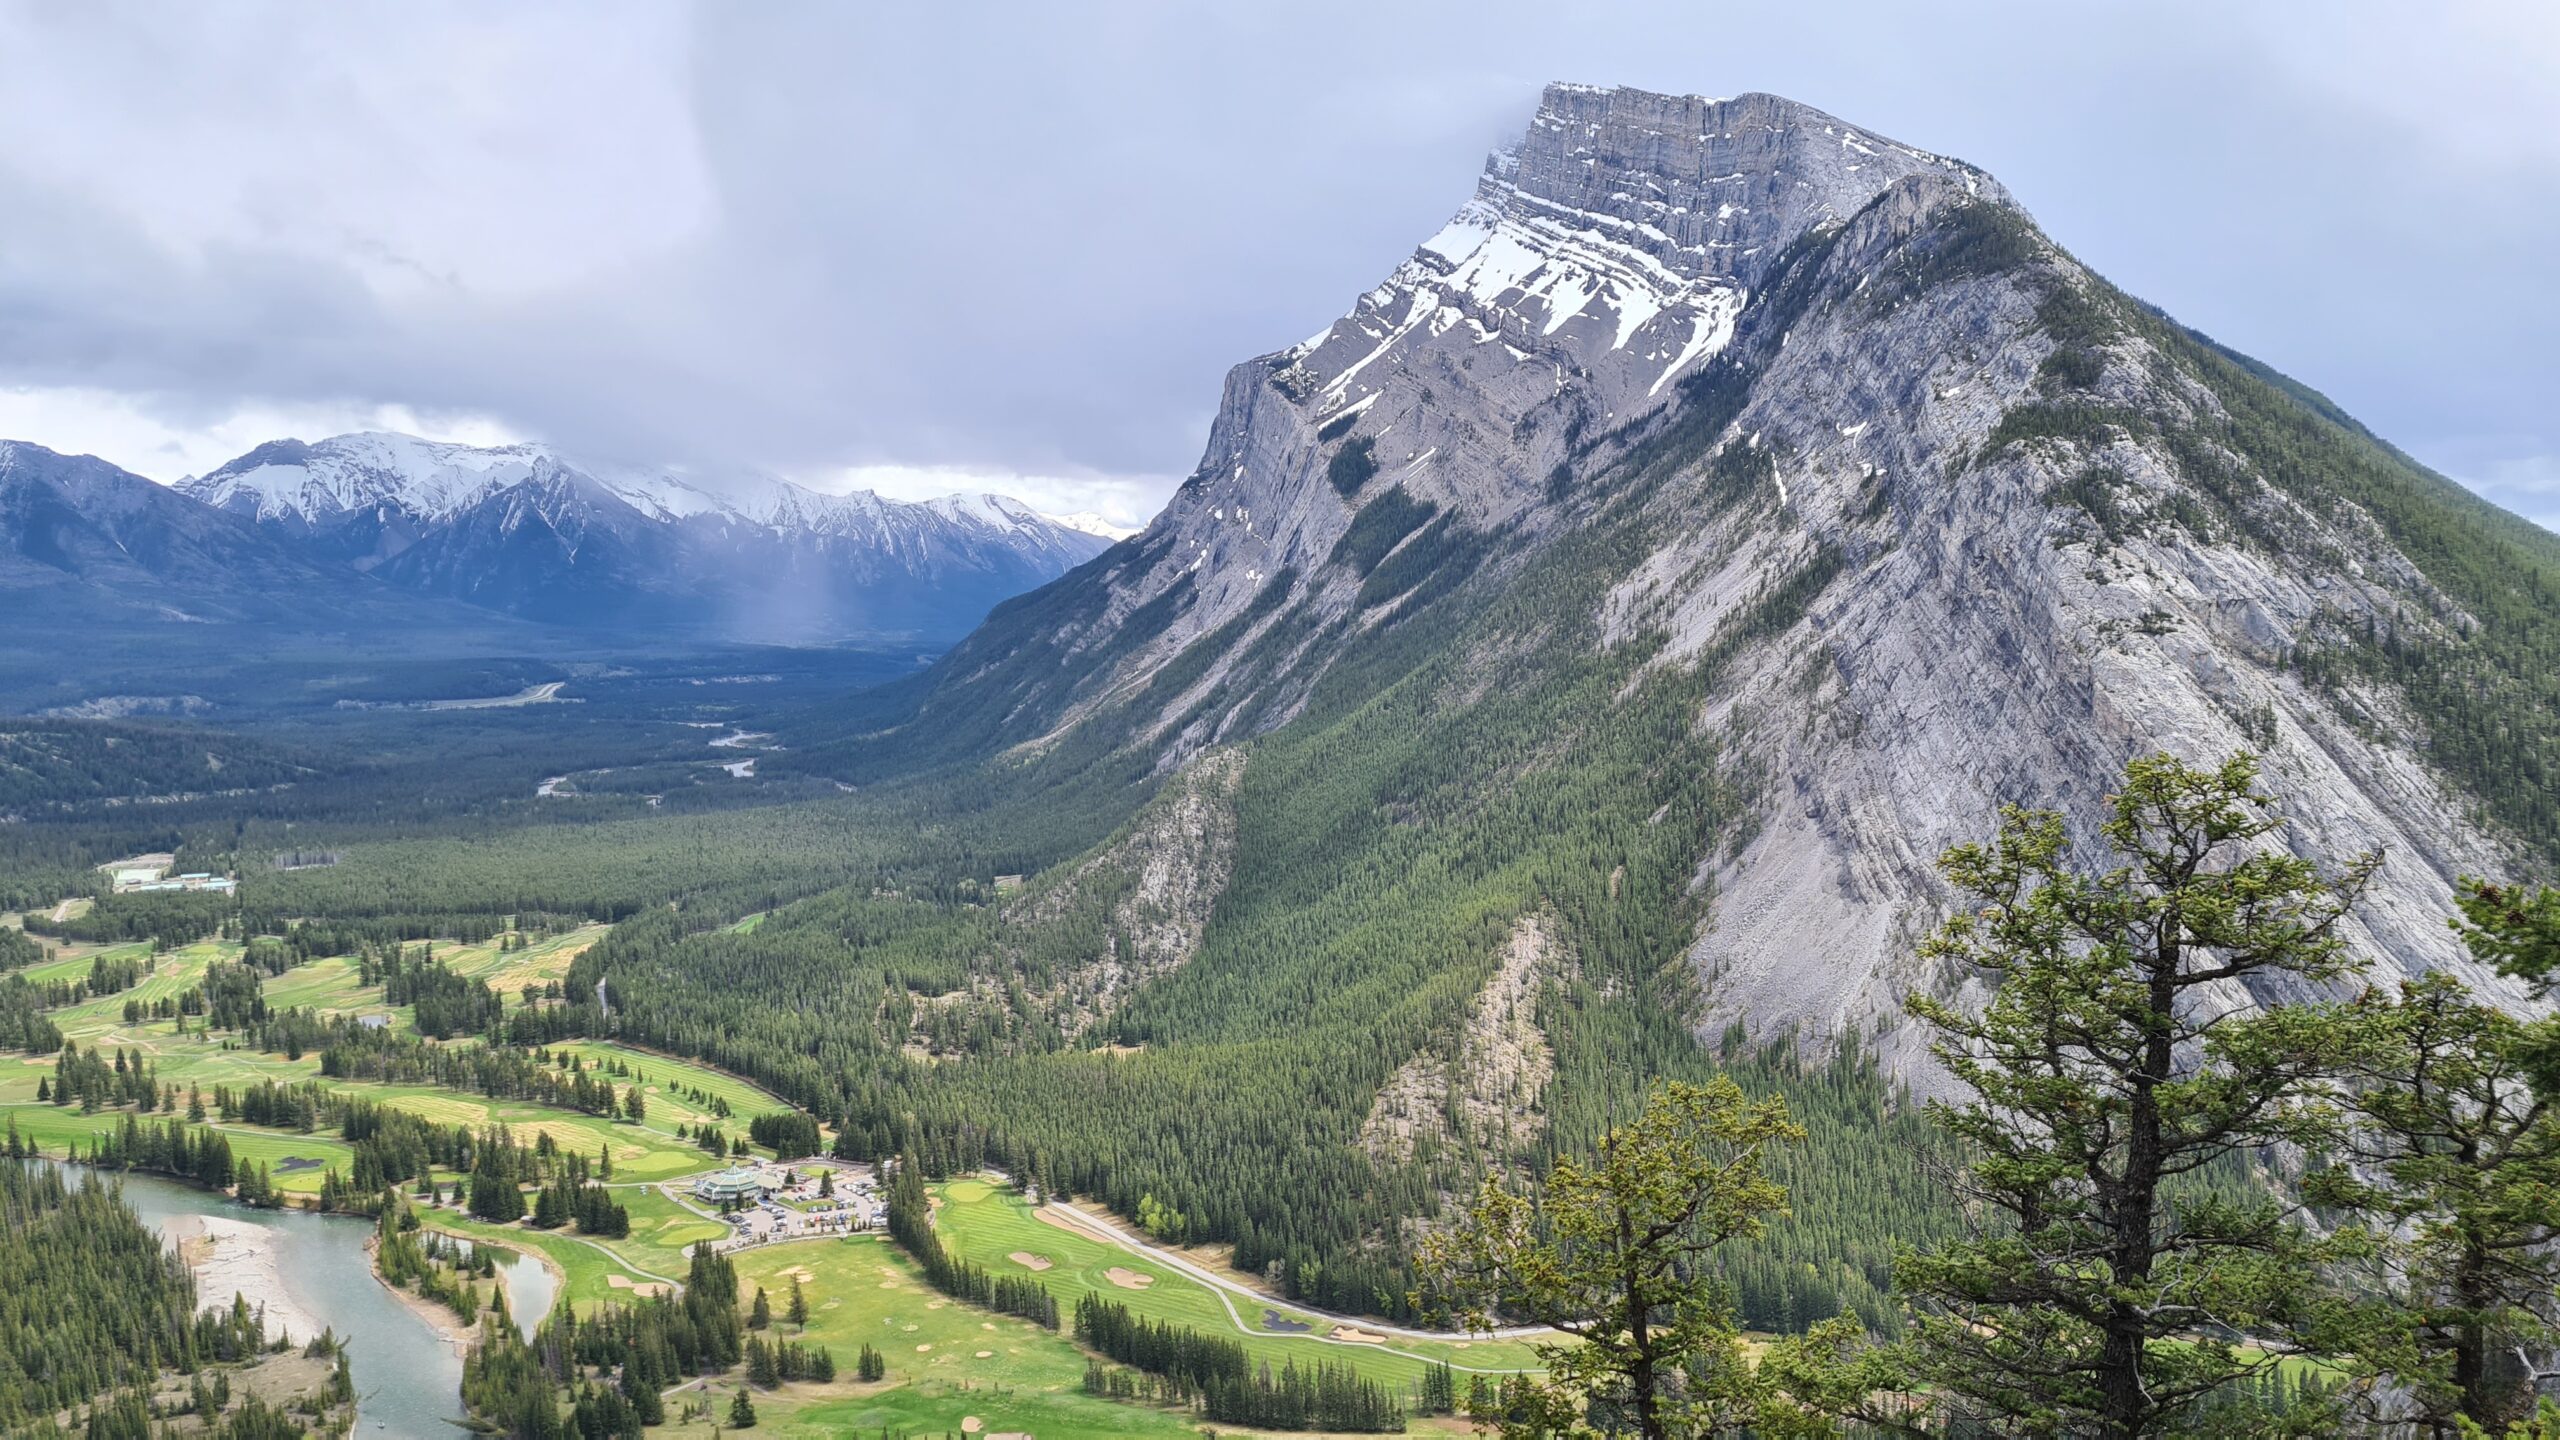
(81, 538)
(1616, 613)
(522, 530)
(1919, 515)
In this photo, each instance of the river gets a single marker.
(311, 1271)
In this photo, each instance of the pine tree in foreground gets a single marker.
(2123, 1266)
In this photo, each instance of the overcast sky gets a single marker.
(929, 247)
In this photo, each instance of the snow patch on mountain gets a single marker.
(429, 481)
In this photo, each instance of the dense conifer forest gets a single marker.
(92, 1304)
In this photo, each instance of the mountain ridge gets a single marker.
(81, 536)
(519, 531)
(1521, 380)
(432, 479)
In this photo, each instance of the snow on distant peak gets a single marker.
(363, 470)
(1092, 524)
(431, 480)
(1002, 512)
(1622, 233)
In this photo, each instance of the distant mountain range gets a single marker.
(372, 519)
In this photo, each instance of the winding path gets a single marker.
(674, 1285)
(1225, 1289)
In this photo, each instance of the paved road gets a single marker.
(1110, 1233)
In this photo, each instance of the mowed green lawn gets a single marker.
(595, 1274)
(330, 986)
(948, 1362)
(75, 965)
(645, 1151)
(663, 1078)
(663, 1233)
(989, 1226)
(509, 971)
(640, 1151)
(297, 1162)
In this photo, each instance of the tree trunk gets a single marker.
(2124, 1405)
(2471, 1338)
(1640, 1377)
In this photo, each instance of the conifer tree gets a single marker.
(1616, 1254)
(2109, 1067)
(2517, 930)
(2458, 1158)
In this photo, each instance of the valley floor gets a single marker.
(952, 1368)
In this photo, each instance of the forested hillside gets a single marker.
(92, 1303)
(56, 764)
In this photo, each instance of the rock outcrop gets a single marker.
(1482, 1095)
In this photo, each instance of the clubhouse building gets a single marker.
(737, 1185)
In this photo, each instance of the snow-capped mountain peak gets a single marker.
(426, 478)
(1093, 524)
(525, 528)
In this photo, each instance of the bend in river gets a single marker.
(311, 1271)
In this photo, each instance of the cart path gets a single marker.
(1226, 1289)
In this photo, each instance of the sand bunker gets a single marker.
(1129, 1279)
(1358, 1336)
(986, 1354)
(648, 1290)
(923, 1348)
(1029, 1261)
(971, 1424)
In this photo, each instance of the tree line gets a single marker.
(910, 1217)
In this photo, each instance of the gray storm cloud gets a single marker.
(1026, 240)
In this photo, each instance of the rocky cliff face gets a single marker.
(1604, 257)
(1936, 519)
